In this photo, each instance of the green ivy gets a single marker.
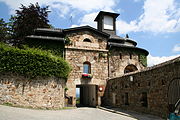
(102, 55)
(143, 60)
(54, 47)
(32, 62)
(68, 41)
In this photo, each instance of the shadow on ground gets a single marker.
(132, 114)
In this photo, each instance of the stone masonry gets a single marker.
(118, 60)
(79, 52)
(46, 93)
(145, 91)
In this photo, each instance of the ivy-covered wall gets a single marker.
(32, 62)
(54, 47)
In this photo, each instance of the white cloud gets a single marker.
(64, 6)
(88, 19)
(152, 60)
(61, 9)
(176, 48)
(158, 16)
(89, 5)
(124, 27)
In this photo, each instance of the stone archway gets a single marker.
(173, 93)
(130, 68)
(87, 95)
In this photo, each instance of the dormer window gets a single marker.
(86, 40)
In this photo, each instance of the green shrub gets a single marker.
(32, 62)
(8, 104)
(54, 47)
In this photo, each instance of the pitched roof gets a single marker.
(46, 38)
(115, 15)
(49, 29)
(86, 28)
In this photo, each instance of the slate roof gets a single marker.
(49, 29)
(115, 15)
(118, 39)
(85, 28)
(46, 38)
(118, 45)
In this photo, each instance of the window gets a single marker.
(86, 67)
(126, 99)
(86, 40)
(143, 99)
(130, 56)
(108, 22)
(120, 56)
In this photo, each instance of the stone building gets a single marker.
(153, 90)
(95, 55)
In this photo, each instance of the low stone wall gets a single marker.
(40, 92)
(145, 91)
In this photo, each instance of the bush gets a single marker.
(32, 62)
(54, 47)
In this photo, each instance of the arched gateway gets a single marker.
(173, 93)
(130, 68)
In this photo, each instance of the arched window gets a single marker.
(130, 68)
(86, 40)
(87, 67)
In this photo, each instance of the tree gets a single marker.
(3, 30)
(29, 18)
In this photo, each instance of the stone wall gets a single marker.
(36, 93)
(97, 41)
(99, 69)
(93, 52)
(118, 60)
(145, 91)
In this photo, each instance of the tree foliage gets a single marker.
(29, 18)
(3, 30)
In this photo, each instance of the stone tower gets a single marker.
(106, 22)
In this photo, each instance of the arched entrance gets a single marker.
(130, 68)
(173, 93)
(87, 95)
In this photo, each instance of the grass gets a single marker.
(78, 101)
(7, 104)
(37, 108)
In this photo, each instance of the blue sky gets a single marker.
(153, 24)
